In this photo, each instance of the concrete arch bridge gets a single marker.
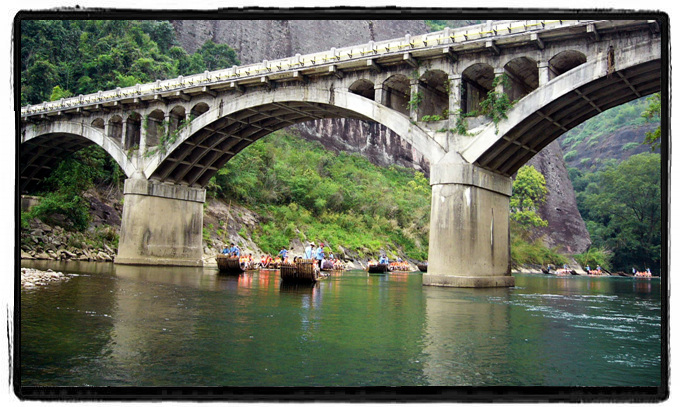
(170, 137)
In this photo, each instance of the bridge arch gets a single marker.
(44, 146)
(477, 81)
(522, 74)
(565, 61)
(563, 103)
(211, 139)
(199, 108)
(363, 87)
(116, 128)
(98, 123)
(434, 85)
(397, 93)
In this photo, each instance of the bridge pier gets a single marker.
(469, 227)
(162, 224)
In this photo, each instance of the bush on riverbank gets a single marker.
(595, 256)
(524, 252)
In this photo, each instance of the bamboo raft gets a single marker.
(422, 267)
(302, 271)
(377, 268)
(229, 265)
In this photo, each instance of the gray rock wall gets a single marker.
(566, 229)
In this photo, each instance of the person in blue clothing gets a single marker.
(283, 254)
(235, 251)
(319, 255)
(383, 259)
(309, 252)
(228, 250)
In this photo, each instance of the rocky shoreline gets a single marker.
(45, 242)
(35, 278)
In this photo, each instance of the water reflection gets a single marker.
(145, 326)
(642, 286)
(467, 336)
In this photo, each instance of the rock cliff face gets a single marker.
(566, 229)
(256, 40)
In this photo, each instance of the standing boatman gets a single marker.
(319, 255)
(309, 252)
(283, 254)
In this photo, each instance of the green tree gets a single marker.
(625, 211)
(653, 111)
(212, 57)
(528, 192)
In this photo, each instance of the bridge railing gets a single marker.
(489, 30)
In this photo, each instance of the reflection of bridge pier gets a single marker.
(479, 349)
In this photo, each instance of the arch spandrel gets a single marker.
(563, 103)
(230, 125)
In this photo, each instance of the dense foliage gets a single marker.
(528, 193)
(62, 192)
(653, 113)
(309, 193)
(621, 206)
(62, 58)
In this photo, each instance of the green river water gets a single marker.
(146, 326)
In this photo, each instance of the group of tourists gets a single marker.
(398, 265)
(642, 274)
(315, 253)
(312, 252)
(245, 260)
(596, 272)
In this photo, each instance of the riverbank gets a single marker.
(44, 242)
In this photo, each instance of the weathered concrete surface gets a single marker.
(469, 227)
(161, 225)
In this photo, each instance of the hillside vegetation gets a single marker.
(306, 192)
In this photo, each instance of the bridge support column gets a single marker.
(543, 72)
(161, 225)
(469, 227)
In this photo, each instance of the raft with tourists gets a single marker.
(229, 264)
(377, 268)
(303, 270)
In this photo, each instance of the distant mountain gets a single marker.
(615, 134)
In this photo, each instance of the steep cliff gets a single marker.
(256, 40)
(566, 229)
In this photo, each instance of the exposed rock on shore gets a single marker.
(45, 242)
(34, 277)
